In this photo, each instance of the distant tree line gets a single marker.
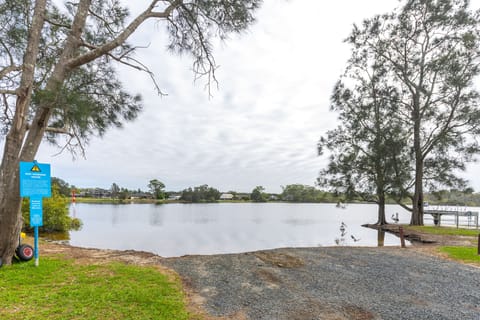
(290, 193)
(202, 193)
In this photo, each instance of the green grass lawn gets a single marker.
(444, 230)
(62, 289)
(465, 254)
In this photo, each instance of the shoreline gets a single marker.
(252, 285)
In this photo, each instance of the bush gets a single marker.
(55, 213)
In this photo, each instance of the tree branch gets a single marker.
(123, 36)
(59, 131)
(53, 23)
(12, 92)
(137, 66)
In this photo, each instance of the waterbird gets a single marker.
(395, 217)
(354, 239)
(342, 227)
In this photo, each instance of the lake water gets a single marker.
(173, 230)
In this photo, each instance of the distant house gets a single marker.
(174, 197)
(141, 195)
(226, 196)
(95, 193)
(273, 197)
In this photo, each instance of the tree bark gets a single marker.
(381, 211)
(417, 201)
(10, 202)
(16, 149)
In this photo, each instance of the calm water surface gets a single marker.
(179, 229)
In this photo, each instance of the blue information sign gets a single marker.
(35, 183)
(35, 179)
(36, 213)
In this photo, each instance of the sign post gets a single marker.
(35, 183)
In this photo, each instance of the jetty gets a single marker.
(460, 215)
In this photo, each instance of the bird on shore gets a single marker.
(395, 218)
(354, 239)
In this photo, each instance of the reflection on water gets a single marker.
(343, 233)
(179, 229)
(300, 222)
(156, 218)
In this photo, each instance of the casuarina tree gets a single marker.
(430, 50)
(57, 76)
(367, 150)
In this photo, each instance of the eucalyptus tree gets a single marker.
(157, 188)
(367, 150)
(430, 50)
(258, 194)
(57, 75)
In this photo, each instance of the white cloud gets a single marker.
(260, 128)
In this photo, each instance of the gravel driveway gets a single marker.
(331, 283)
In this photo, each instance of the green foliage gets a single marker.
(368, 151)
(92, 100)
(454, 197)
(202, 193)
(55, 213)
(63, 187)
(258, 194)
(124, 194)
(301, 193)
(464, 254)
(157, 188)
(63, 289)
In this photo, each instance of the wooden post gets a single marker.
(402, 237)
(478, 250)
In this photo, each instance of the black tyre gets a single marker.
(24, 252)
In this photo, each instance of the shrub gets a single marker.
(55, 213)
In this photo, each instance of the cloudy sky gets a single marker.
(260, 127)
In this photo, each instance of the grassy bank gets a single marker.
(446, 231)
(117, 201)
(62, 289)
(463, 254)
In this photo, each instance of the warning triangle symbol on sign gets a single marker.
(35, 168)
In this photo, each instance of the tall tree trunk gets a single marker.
(417, 202)
(381, 210)
(16, 149)
(10, 202)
